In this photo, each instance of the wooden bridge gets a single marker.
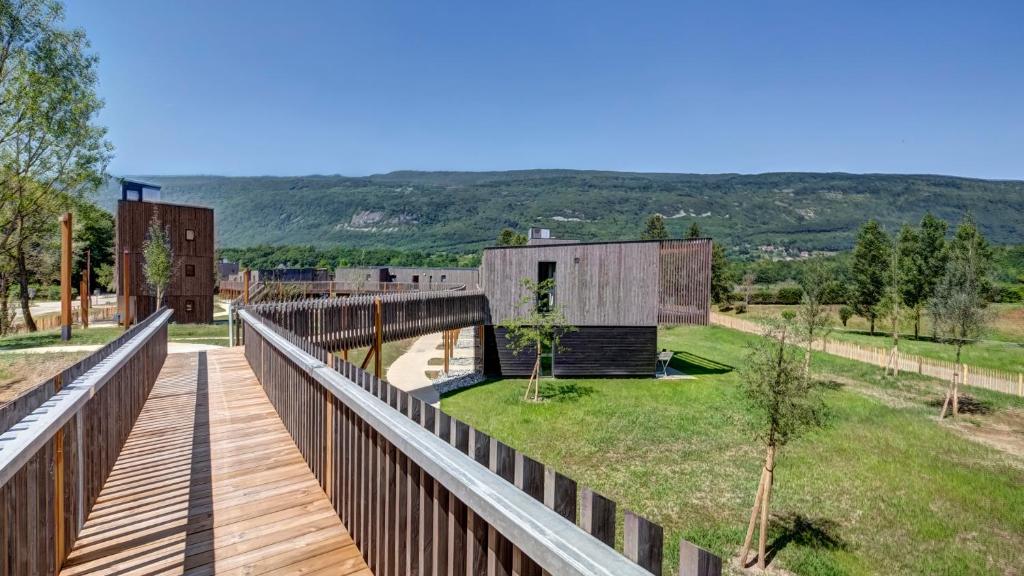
(280, 457)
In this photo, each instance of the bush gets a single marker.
(789, 295)
(1007, 294)
(741, 308)
(845, 313)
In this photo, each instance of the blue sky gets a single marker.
(259, 87)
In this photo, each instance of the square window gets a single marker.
(190, 269)
(190, 235)
(190, 305)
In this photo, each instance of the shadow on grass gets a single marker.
(36, 340)
(563, 392)
(693, 365)
(968, 404)
(818, 533)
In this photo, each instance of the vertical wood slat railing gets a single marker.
(436, 534)
(988, 378)
(60, 441)
(348, 323)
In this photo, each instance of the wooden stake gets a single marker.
(745, 551)
(762, 538)
(83, 297)
(65, 277)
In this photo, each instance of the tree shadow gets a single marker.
(693, 365)
(790, 528)
(563, 391)
(968, 404)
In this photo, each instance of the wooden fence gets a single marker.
(414, 507)
(348, 323)
(60, 441)
(988, 378)
(297, 290)
(51, 320)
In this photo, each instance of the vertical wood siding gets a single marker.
(132, 222)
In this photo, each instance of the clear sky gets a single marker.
(275, 87)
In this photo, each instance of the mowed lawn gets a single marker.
(883, 489)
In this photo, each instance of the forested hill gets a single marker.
(463, 211)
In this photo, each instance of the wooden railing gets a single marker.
(293, 290)
(348, 323)
(424, 493)
(988, 378)
(60, 441)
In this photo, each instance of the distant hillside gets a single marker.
(463, 211)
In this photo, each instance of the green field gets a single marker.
(1002, 347)
(216, 333)
(883, 489)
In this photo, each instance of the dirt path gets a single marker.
(408, 372)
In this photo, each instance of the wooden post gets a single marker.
(83, 296)
(126, 278)
(378, 340)
(445, 341)
(65, 277)
(245, 288)
(58, 487)
(966, 379)
(1020, 384)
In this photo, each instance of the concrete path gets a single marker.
(408, 371)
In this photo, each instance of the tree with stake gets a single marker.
(891, 305)
(812, 317)
(158, 258)
(655, 228)
(787, 403)
(539, 326)
(958, 306)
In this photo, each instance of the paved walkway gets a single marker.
(409, 371)
(210, 482)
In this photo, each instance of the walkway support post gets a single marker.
(246, 276)
(83, 296)
(378, 340)
(65, 277)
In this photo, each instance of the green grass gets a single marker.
(216, 333)
(390, 352)
(1002, 348)
(883, 489)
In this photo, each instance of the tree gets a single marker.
(51, 151)
(893, 301)
(509, 237)
(923, 262)
(845, 313)
(105, 277)
(158, 263)
(786, 403)
(721, 275)
(812, 317)
(539, 326)
(870, 271)
(693, 232)
(94, 239)
(958, 306)
(655, 228)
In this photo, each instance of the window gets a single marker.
(190, 270)
(367, 277)
(444, 277)
(190, 305)
(190, 234)
(545, 271)
(415, 278)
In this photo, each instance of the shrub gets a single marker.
(789, 295)
(741, 308)
(845, 313)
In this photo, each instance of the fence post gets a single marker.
(696, 561)
(378, 341)
(966, 379)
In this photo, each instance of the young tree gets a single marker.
(693, 232)
(870, 271)
(928, 264)
(509, 237)
(787, 403)
(721, 275)
(655, 228)
(539, 325)
(892, 302)
(812, 317)
(105, 277)
(158, 258)
(958, 306)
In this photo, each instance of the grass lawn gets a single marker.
(19, 372)
(883, 489)
(216, 333)
(390, 352)
(1002, 348)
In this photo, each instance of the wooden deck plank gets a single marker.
(210, 482)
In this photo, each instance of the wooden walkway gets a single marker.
(210, 482)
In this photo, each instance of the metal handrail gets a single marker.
(555, 543)
(32, 432)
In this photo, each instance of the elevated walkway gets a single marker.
(210, 482)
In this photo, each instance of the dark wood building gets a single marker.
(614, 293)
(425, 277)
(190, 293)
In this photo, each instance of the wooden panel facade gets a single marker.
(684, 285)
(589, 351)
(190, 293)
(601, 284)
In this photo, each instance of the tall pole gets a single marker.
(88, 275)
(246, 276)
(378, 341)
(126, 277)
(65, 277)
